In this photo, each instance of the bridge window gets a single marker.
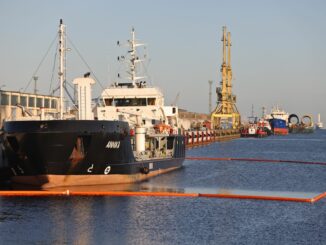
(4, 99)
(151, 101)
(108, 102)
(53, 104)
(23, 100)
(46, 103)
(31, 102)
(130, 102)
(39, 102)
(14, 100)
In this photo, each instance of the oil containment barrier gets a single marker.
(40, 193)
(249, 195)
(254, 160)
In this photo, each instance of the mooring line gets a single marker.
(254, 160)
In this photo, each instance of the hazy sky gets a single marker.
(278, 52)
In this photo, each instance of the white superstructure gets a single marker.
(278, 113)
(135, 102)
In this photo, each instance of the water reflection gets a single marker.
(57, 217)
(87, 220)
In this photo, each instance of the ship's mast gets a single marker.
(134, 59)
(62, 53)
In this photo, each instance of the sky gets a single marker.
(278, 48)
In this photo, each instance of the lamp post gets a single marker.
(35, 84)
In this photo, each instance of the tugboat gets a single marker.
(250, 130)
(256, 128)
(264, 127)
(89, 147)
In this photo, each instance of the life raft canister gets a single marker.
(162, 128)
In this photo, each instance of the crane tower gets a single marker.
(210, 96)
(226, 114)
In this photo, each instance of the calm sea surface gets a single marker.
(177, 220)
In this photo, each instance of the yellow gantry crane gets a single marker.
(226, 114)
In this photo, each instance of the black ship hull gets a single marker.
(79, 152)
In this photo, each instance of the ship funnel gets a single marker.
(84, 97)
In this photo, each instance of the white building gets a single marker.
(20, 106)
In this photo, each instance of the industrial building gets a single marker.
(16, 105)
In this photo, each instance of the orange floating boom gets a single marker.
(131, 193)
(33, 193)
(269, 198)
(317, 198)
(157, 194)
(253, 160)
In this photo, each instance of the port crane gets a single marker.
(226, 114)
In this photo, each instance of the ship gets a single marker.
(256, 128)
(88, 147)
(265, 126)
(278, 113)
(279, 126)
(278, 120)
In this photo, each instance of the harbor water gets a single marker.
(180, 220)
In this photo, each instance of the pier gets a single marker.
(203, 137)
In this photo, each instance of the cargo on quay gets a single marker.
(306, 125)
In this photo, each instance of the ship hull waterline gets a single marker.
(79, 153)
(53, 181)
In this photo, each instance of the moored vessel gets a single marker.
(278, 113)
(256, 128)
(279, 126)
(278, 120)
(87, 147)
